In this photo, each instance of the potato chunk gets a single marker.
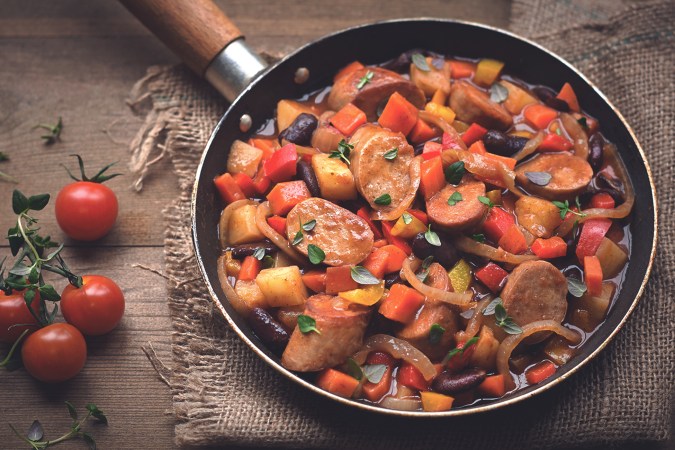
(288, 111)
(242, 228)
(282, 286)
(538, 216)
(243, 158)
(335, 179)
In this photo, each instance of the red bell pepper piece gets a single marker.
(278, 224)
(474, 133)
(602, 200)
(431, 150)
(492, 276)
(245, 183)
(261, 183)
(228, 188)
(554, 143)
(409, 375)
(478, 147)
(497, 223)
(250, 268)
(364, 213)
(395, 240)
(461, 359)
(282, 165)
(592, 232)
(513, 241)
(554, 247)
(449, 141)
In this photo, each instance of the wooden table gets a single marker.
(78, 59)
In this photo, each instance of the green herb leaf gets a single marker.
(498, 93)
(480, 237)
(539, 178)
(315, 254)
(54, 131)
(363, 276)
(455, 198)
(427, 262)
(407, 218)
(19, 202)
(490, 308)
(3, 157)
(35, 432)
(259, 253)
(500, 312)
(97, 413)
(38, 202)
(501, 317)
(583, 122)
(47, 292)
(342, 151)
(309, 226)
(432, 237)
(71, 410)
(391, 154)
(354, 369)
(297, 238)
(424, 272)
(91, 443)
(576, 287)
(384, 199)
(486, 201)
(307, 324)
(365, 80)
(511, 327)
(454, 173)
(460, 351)
(436, 333)
(558, 131)
(374, 372)
(421, 62)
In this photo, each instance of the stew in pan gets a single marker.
(425, 234)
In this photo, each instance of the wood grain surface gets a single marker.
(78, 59)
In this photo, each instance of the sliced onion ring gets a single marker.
(510, 343)
(443, 125)
(578, 135)
(401, 404)
(468, 245)
(484, 167)
(224, 222)
(399, 349)
(530, 147)
(476, 321)
(431, 293)
(261, 215)
(235, 300)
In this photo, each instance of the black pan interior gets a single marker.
(382, 41)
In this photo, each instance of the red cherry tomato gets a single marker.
(13, 311)
(54, 353)
(86, 211)
(95, 308)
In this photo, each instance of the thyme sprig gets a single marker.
(53, 131)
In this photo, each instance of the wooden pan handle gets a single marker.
(196, 30)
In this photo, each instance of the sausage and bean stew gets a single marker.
(425, 234)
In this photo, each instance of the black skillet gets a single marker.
(213, 47)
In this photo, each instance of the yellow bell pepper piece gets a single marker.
(460, 276)
(487, 71)
(443, 112)
(495, 196)
(367, 296)
(440, 97)
(408, 230)
(433, 401)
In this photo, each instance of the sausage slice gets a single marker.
(383, 83)
(535, 290)
(569, 175)
(341, 325)
(376, 176)
(463, 214)
(417, 331)
(344, 237)
(473, 105)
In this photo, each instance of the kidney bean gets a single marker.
(503, 144)
(446, 255)
(391, 279)
(267, 329)
(243, 250)
(300, 131)
(556, 103)
(307, 175)
(544, 93)
(454, 383)
(595, 144)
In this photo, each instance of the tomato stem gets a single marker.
(5, 361)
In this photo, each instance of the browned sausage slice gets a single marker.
(372, 94)
(341, 324)
(417, 331)
(535, 290)
(473, 105)
(344, 237)
(463, 214)
(376, 176)
(569, 175)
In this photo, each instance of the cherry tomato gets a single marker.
(95, 308)
(13, 311)
(54, 353)
(86, 211)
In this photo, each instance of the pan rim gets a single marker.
(497, 404)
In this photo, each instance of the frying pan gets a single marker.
(212, 46)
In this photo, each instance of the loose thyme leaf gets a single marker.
(354, 369)
(35, 432)
(500, 312)
(480, 237)
(315, 254)
(421, 62)
(436, 333)
(97, 413)
(342, 151)
(490, 308)
(498, 93)
(259, 253)
(539, 178)
(432, 237)
(71, 410)
(363, 276)
(309, 226)
(576, 287)
(391, 154)
(384, 199)
(455, 172)
(3, 157)
(424, 272)
(486, 201)
(297, 238)
(307, 324)
(374, 372)
(460, 351)
(407, 218)
(455, 198)
(54, 131)
(511, 327)
(365, 80)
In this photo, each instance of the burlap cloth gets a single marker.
(223, 394)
